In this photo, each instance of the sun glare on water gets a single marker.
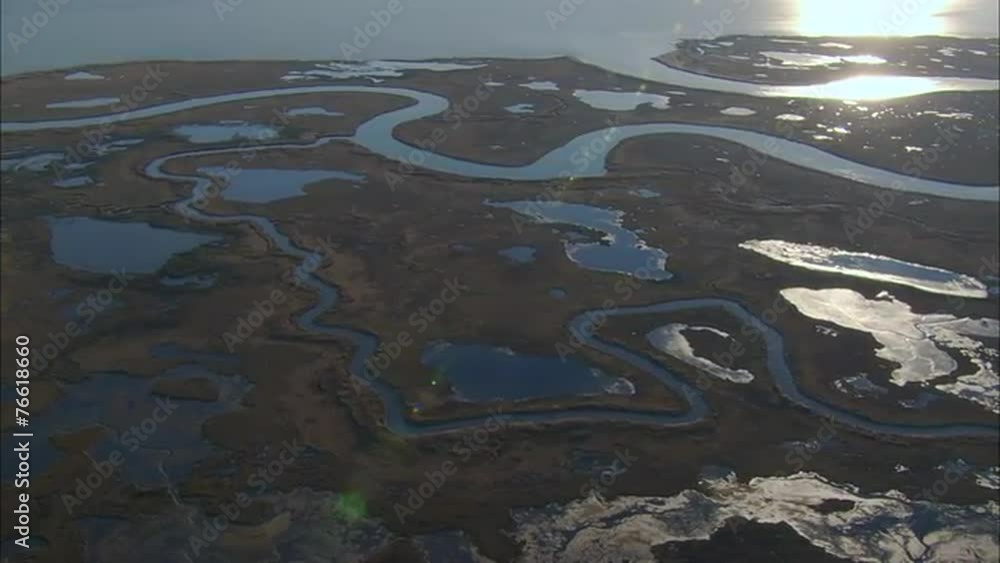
(873, 17)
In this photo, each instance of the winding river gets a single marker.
(376, 135)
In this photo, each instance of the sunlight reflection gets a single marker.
(873, 17)
(866, 88)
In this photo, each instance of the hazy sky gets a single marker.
(95, 31)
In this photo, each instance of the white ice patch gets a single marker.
(540, 85)
(627, 527)
(911, 340)
(87, 103)
(520, 108)
(620, 101)
(670, 340)
(83, 75)
(372, 70)
(869, 266)
(737, 111)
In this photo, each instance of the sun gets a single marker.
(872, 17)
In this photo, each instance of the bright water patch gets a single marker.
(737, 111)
(372, 70)
(869, 266)
(644, 193)
(620, 101)
(880, 527)
(83, 75)
(101, 246)
(315, 110)
(541, 85)
(520, 108)
(519, 254)
(913, 341)
(223, 132)
(670, 340)
(479, 373)
(620, 250)
(376, 136)
(74, 182)
(859, 386)
(87, 103)
(805, 60)
(30, 163)
(262, 185)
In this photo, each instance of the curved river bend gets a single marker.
(376, 136)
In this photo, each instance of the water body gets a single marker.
(644, 193)
(83, 75)
(520, 108)
(117, 402)
(620, 250)
(869, 266)
(224, 132)
(104, 247)
(263, 185)
(480, 374)
(541, 85)
(621, 101)
(670, 340)
(309, 111)
(621, 38)
(737, 112)
(366, 344)
(88, 103)
(376, 136)
(30, 163)
(915, 342)
(519, 254)
(74, 182)
(375, 71)
(878, 527)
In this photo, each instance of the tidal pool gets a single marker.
(621, 101)
(869, 266)
(519, 254)
(619, 250)
(480, 373)
(670, 340)
(95, 245)
(223, 132)
(88, 103)
(262, 185)
(915, 342)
